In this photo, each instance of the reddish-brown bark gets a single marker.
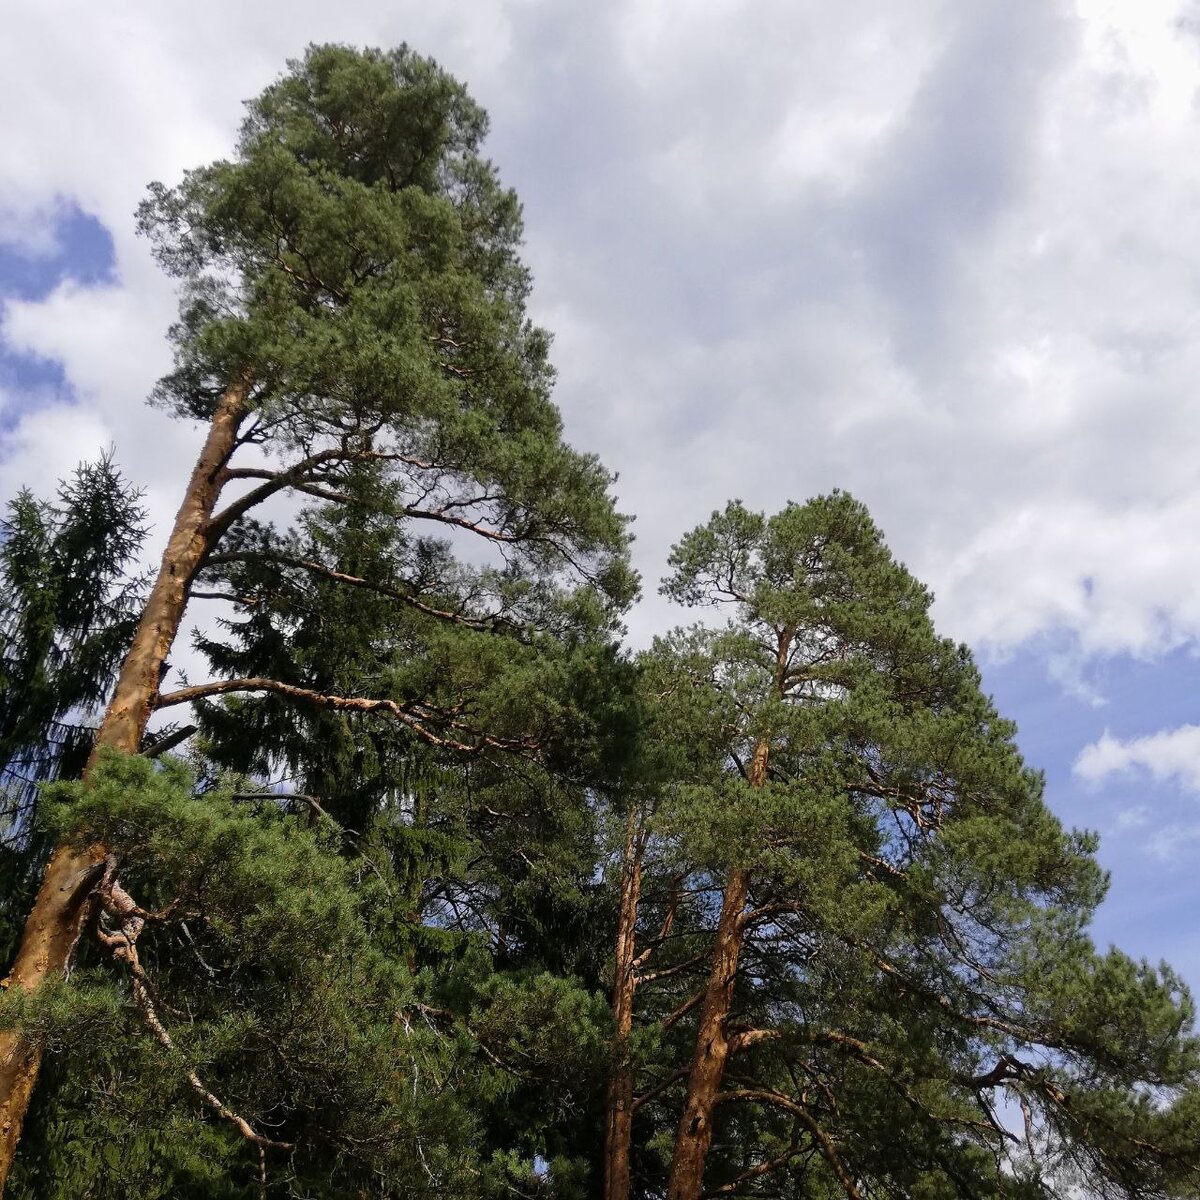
(694, 1134)
(63, 901)
(619, 1121)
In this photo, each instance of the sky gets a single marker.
(944, 254)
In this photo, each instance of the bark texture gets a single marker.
(618, 1133)
(68, 887)
(694, 1135)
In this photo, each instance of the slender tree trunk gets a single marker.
(619, 1124)
(694, 1135)
(53, 927)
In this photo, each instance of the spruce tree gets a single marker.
(68, 604)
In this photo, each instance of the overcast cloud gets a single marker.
(940, 254)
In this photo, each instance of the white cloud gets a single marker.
(48, 441)
(1132, 818)
(939, 254)
(1170, 755)
(30, 230)
(1168, 845)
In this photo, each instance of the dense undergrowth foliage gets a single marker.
(447, 894)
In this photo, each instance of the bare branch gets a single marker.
(763, 1168)
(169, 741)
(667, 972)
(123, 945)
(682, 1011)
(658, 1089)
(275, 481)
(407, 714)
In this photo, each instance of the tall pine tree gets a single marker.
(883, 957)
(352, 298)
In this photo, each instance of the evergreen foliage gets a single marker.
(354, 273)
(357, 262)
(68, 605)
(914, 966)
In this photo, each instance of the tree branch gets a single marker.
(123, 944)
(169, 741)
(822, 1139)
(276, 481)
(481, 624)
(406, 714)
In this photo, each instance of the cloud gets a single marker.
(1168, 845)
(31, 232)
(1131, 818)
(938, 254)
(1168, 756)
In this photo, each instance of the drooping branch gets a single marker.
(131, 918)
(1006, 1070)
(912, 987)
(478, 527)
(297, 478)
(481, 624)
(500, 536)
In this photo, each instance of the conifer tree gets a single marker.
(469, 879)
(894, 952)
(68, 605)
(352, 297)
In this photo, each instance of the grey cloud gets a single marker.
(959, 163)
(924, 251)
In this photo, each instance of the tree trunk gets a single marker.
(53, 927)
(694, 1135)
(619, 1123)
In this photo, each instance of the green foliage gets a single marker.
(262, 966)
(915, 957)
(362, 270)
(68, 606)
(323, 963)
(67, 609)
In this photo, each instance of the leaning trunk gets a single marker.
(53, 927)
(619, 1117)
(694, 1135)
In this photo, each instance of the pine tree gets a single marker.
(352, 298)
(894, 956)
(470, 880)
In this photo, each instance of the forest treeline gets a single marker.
(428, 887)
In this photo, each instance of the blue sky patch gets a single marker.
(83, 252)
(1148, 910)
